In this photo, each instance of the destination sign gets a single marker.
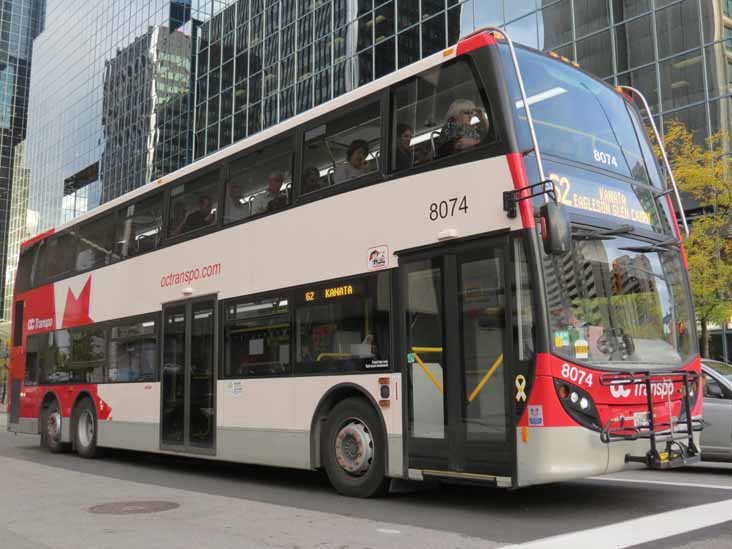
(596, 194)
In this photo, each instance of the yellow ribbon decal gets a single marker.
(520, 386)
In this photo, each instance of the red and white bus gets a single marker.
(469, 269)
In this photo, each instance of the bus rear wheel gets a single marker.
(51, 427)
(85, 429)
(354, 449)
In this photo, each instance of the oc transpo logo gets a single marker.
(619, 391)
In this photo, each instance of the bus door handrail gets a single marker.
(500, 33)
(666, 163)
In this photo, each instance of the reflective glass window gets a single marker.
(591, 16)
(682, 80)
(677, 28)
(556, 21)
(60, 253)
(133, 351)
(634, 43)
(625, 9)
(594, 55)
(96, 246)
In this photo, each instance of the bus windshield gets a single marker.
(579, 118)
(612, 303)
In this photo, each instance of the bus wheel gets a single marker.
(51, 423)
(85, 429)
(353, 449)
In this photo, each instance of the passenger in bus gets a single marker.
(356, 165)
(235, 207)
(311, 180)
(203, 216)
(459, 133)
(404, 157)
(274, 198)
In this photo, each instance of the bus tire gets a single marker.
(85, 429)
(353, 449)
(51, 425)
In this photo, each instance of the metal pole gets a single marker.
(725, 351)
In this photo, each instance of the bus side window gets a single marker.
(343, 149)
(132, 351)
(139, 227)
(95, 247)
(260, 182)
(436, 114)
(257, 339)
(194, 205)
(60, 252)
(344, 327)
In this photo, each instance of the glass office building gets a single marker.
(259, 62)
(20, 22)
(110, 102)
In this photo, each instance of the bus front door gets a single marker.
(455, 308)
(188, 405)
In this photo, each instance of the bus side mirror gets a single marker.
(556, 232)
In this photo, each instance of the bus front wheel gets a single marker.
(354, 449)
(85, 429)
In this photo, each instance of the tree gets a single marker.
(705, 172)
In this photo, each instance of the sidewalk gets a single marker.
(86, 510)
(3, 420)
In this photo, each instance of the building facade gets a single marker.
(259, 62)
(109, 100)
(20, 22)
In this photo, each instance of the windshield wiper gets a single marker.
(603, 235)
(664, 246)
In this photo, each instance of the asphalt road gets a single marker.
(45, 501)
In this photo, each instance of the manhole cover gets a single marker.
(133, 507)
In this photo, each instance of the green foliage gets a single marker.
(705, 172)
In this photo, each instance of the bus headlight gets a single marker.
(578, 404)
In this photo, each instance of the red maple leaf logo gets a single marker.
(76, 311)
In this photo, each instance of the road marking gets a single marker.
(640, 530)
(663, 483)
(388, 531)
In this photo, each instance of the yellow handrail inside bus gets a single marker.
(486, 377)
(425, 369)
(333, 355)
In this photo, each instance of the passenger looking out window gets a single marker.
(343, 149)
(193, 205)
(274, 199)
(438, 113)
(404, 154)
(356, 164)
(260, 182)
(311, 181)
(466, 127)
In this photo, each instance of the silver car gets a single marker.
(716, 438)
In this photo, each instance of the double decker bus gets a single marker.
(467, 270)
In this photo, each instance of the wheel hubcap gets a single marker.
(354, 448)
(86, 428)
(53, 427)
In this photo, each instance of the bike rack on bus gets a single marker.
(677, 452)
(666, 163)
(511, 198)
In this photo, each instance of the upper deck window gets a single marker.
(259, 183)
(436, 114)
(139, 227)
(95, 247)
(194, 205)
(342, 150)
